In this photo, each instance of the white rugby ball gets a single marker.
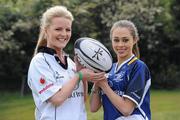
(93, 54)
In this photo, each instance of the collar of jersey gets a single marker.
(117, 68)
(52, 52)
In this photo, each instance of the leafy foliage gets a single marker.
(156, 20)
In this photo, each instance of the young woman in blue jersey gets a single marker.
(125, 93)
(54, 79)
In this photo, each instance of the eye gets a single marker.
(68, 30)
(125, 40)
(116, 40)
(58, 29)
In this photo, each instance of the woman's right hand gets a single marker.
(78, 65)
(90, 75)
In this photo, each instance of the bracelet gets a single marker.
(80, 76)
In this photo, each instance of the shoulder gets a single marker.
(140, 66)
(38, 58)
(39, 65)
(40, 61)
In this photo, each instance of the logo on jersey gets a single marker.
(58, 76)
(76, 94)
(42, 80)
(119, 77)
(45, 88)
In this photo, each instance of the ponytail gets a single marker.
(136, 50)
(41, 42)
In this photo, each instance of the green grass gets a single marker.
(165, 105)
(14, 107)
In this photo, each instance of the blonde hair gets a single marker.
(133, 30)
(48, 15)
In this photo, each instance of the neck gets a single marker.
(121, 60)
(60, 54)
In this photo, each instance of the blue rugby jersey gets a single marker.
(132, 80)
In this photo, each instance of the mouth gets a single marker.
(61, 39)
(121, 51)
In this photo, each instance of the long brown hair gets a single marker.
(133, 30)
(56, 11)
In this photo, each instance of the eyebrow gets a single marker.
(121, 37)
(115, 37)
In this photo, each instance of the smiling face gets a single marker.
(58, 33)
(122, 43)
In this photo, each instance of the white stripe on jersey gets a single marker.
(145, 91)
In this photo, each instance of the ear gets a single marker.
(45, 32)
(135, 40)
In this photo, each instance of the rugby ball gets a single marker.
(92, 54)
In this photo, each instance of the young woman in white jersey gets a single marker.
(125, 93)
(55, 81)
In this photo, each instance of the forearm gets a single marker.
(85, 84)
(124, 105)
(64, 92)
(95, 99)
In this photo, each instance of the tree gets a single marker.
(157, 22)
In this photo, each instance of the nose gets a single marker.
(120, 43)
(63, 32)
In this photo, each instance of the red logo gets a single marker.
(45, 88)
(42, 80)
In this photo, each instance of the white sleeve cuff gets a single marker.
(48, 92)
(126, 96)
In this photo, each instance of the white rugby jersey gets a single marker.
(45, 77)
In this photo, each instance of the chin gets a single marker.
(122, 56)
(58, 47)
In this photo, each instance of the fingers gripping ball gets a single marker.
(93, 55)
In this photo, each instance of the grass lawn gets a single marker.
(165, 105)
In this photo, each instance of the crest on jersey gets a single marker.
(119, 76)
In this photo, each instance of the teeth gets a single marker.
(120, 50)
(62, 39)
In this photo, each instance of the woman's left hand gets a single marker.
(95, 77)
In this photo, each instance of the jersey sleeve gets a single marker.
(138, 76)
(41, 79)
